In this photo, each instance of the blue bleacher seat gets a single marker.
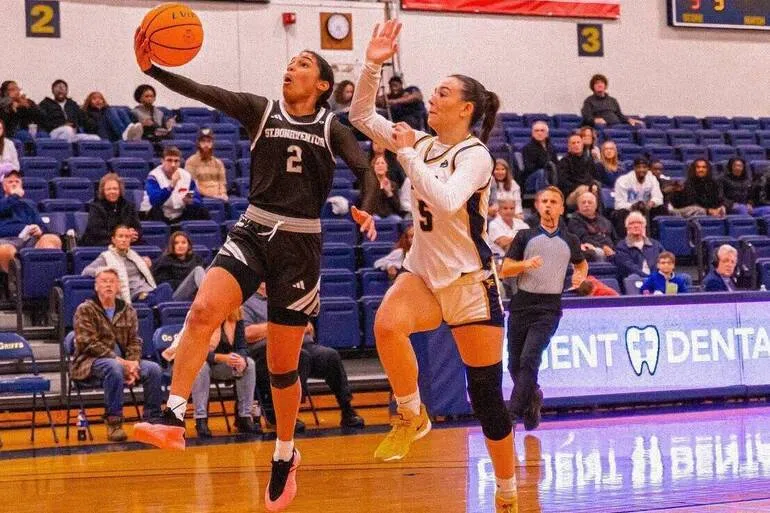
(132, 184)
(338, 283)
(718, 152)
(510, 119)
(738, 137)
(173, 312)
(228, 225)
(632, 286)
(244, 149)
(387, 230)
(602, 269)
(717, 123)
(187, 131)
(707, 226)
(372, 251)
(344, 172)
(763, 138)
(216, 208)
(92, 168)
(137, 149)
(374, 282)
(130, 167)
(155, 233)
(339, 182)
(738, 225)
(660, 151)
(688, 152)
(629, 151)
(224, 118)
(35, 189)
(659, 122)
(40, 268)
(186, 147)
(530, 118)
(369, 306)
(241, 187)
(612, 283)
(518, 136)
(236, 206)
(338, 256)
(58, 149)
(652, 136)
(343, 231)
(619, 135)
(338, 323)
(46, 168)
(19, 147)
(207, 233)
(677, 136)
(151, 252)
(746, 123)
(758, 168)
(674, 168)
(146, 324)
(706, 137)
(751, 152)
(73, 188)
(198, 115)
(83, 255)
(98, 149)
(81, 222)
(75, 290)
(673, 234)
(763, 272)
(225, 132)
(61, 205)
(230, 173)
(568, 121)
(225, 149)
(55, 222)
(764, 122)
(688, 122)
(205, 253)
(243, 168)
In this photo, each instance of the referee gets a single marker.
(539, 257)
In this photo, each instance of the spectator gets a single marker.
(227, 359)
(170, 193)
(637, 255)
(576, 174)
(20, 223)
(763, 196)
(315, 361)
(637, 190)
(108, 348)
(393, 262)
(207, 170)
(720, 278)
(601, 109)
(343, 95)
(136, 280)
(149, 123)
(405, 103)
(737, 187)
(109, 210)
(95, 110)
(590, 150)
(608, 158)
(395, 171)
(504, 184)
(594, 287)
(387, 205)
(664, 280)
(16, 110)
(62, 117)
(540, 159)
(8, 153)
(503, 228)
(180, 267)
(702, 195)
(668, 186)
(596, 234)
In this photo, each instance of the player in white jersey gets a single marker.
(449, 274)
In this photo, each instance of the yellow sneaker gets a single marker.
(407, 428)
(506, 505)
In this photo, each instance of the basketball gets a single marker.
(175, 34)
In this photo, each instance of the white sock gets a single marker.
(506, 487)
(410, 402)
(283, 450)
(177, 405)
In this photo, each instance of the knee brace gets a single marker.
(284, 380)
(485, 391)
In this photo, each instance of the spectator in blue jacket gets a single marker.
(637, 254)
(171, 194)
(664, 280)
(20, 223)
(721, 279)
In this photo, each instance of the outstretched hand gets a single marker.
(142, 50)
(366, 221)
(383, 44)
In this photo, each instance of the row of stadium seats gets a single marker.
(571, 121)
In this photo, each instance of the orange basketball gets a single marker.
(175, 34)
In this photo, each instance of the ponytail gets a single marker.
(485, 104)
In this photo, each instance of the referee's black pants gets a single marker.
(529, 333)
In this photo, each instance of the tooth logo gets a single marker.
(643, 347)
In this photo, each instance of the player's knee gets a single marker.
(387, 327)
(202, 314)
(485, 391)
(284, 380)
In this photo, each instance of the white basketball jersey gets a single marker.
(449, 245)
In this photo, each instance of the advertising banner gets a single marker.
(607, 9)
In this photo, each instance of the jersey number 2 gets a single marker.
(426, 218)
(294, 161)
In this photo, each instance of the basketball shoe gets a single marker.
(166, 432)
(282, 487)
(407, 428)
(510, 505)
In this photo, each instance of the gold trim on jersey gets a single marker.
(433, 160)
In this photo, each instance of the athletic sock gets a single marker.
(410, 402)
(177, 405)
(283, 450)
(506, 488)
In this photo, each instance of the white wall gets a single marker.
(531, 62)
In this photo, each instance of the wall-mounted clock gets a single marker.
(336, 31)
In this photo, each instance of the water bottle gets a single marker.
(763, 288)
(82, 426)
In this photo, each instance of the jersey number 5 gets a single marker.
(426, 218)
(294, 161)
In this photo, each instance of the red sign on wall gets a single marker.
(609, 9)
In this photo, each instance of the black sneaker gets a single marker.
(247, 426)
(351, 419)
(202, 428)
(282, 487)
(532, 414)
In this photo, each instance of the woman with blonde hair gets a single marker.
(109, 210)
(608, 158)
(504, 184)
